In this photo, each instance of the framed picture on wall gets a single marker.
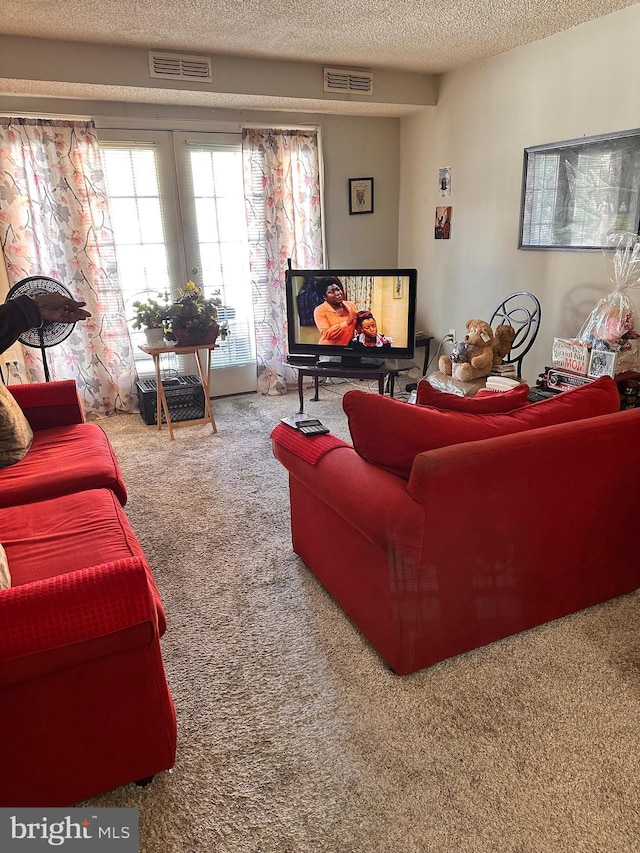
(444, 215)
(444, 181)
(360, 195)
(575, 193)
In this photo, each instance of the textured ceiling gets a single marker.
(409, 35)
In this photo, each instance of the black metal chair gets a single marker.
(521, 310)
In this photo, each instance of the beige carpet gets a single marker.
(294, 736)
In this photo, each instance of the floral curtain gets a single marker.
(54, 221)
(282, 198)
(359, 290)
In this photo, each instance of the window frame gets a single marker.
(612, 143)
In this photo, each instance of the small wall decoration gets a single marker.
(360, 195)
(398, 291)
(443, 223)
(444, 181)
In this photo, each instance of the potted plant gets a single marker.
(193, 318)
(150, 316)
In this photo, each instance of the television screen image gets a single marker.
(355, 316)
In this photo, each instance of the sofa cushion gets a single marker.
(389, 433)
(5, 574)
(66, 534)
(63, 460)
(489, 403)
(15, 433)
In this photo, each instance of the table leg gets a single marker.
(381, 384)
(204, 378)
(300, 392)
(156, 367)
(315, 385)
(392, 383)
(161, 399)
(426, 358)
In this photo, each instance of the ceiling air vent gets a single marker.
(348, 81)
(180, 66)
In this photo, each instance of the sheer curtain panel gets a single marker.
(54, 221)
(282, 186)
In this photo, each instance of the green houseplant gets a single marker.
(193, 318)
(150, 316)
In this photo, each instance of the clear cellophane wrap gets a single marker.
(611, 325)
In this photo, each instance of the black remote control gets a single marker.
(312, 427)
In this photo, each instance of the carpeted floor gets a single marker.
(294, 736)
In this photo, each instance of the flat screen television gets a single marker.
(355, 317)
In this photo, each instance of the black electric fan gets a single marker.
(48, 334)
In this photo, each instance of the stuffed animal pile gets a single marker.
(481, 349)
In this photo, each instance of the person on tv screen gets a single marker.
(367, 332)
(335, 318)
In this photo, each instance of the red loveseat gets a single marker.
(441, 531)
(83, 692)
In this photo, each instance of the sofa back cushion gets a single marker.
(490, 403)
(49, 404)
(389, 433)
(15, 433)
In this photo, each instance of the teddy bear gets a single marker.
(479, 359)
(502, 341)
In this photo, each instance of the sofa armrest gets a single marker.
(76, 608)
(374, 501)
(49, 404)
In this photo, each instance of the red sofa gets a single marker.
(433, 552)
(83, 692)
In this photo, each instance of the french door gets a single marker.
(177, 209)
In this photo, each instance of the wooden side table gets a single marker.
(204, 371)
(423, 340)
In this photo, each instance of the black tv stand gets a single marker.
(382, 371)
(350, 361)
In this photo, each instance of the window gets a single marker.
(577, 192)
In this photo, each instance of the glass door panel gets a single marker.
(139, 177)
(209, 170)
(177, 206)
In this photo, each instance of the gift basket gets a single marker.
(610, 328)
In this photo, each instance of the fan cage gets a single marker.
(48, 334)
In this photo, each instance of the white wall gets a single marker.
(362, 148)
(578, 83)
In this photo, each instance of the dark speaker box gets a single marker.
(185, 398)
